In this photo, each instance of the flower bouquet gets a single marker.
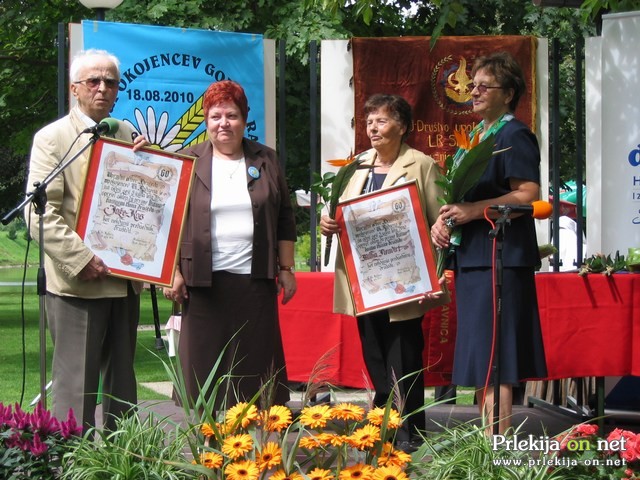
(332, 185)
(458, 175)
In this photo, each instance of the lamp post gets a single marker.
(100, 6)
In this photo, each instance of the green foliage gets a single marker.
(601, 263)
(142, 446)
(465, 452)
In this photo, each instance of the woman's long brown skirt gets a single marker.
(233, 322)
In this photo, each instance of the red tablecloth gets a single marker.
(590, 325)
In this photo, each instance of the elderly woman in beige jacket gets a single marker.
(392, 339)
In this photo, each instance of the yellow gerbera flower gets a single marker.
(359, 471)
(347, 411)
(365, 437)
(276, 418)
(282, 475)
(391, 472)
(320, 474)
(270, 456)
(236, 446)
(241, 414)
(391, 456)
(315, 416)
(211, 460)
(245, 470)
(376, 417)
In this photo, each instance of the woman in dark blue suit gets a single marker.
(512, 177)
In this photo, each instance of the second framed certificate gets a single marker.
(387, 248)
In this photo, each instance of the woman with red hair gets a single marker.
(236, 256)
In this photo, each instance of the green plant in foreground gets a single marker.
(465, 452)
(142, 446)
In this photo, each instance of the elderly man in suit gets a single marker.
(93, 317)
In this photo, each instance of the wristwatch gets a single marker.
(288, 269)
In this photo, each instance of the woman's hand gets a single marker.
(287, 284)
(178, 292)
(328, 226)
(442, 281)
(440, 233)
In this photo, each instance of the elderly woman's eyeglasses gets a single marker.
(94, 82)
(481, 88)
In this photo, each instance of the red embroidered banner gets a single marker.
(435, 82)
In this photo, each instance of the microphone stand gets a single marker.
(39, 199)
(498, 234)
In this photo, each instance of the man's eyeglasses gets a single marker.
(94, 82)
(481, 88)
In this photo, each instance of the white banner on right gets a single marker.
(613, 135)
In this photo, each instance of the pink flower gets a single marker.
(37, 447)
(70, 428)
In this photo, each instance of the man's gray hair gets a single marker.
(84, 58)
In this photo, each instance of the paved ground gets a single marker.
(534, 420)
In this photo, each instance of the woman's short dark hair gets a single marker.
(507, 72)
(226, 91)
(397, 107)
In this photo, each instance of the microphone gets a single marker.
(106, 126)
(538, 209)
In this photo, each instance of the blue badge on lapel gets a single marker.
(254, 172)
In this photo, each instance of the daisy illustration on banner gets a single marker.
(157, 130)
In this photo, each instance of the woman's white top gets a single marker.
(231, 217)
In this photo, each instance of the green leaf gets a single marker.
(340, 182)
(470, 169)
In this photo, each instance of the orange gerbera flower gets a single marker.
(391, 456)
(270, 456)
(376, 417)
(277, 418)
(236, 446)
(315, 416)
(320, 474)
(242, 412)
(245, 470)
(211, 460)
(207, 430)
(347, 411)
(359, 471)
(391, 472)
(309, 443)
(282, 475)
(365, 437)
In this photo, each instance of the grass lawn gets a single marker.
(20, 351)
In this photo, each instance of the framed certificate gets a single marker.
(133, 209)
(387, 248)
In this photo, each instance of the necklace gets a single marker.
(238, 163)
